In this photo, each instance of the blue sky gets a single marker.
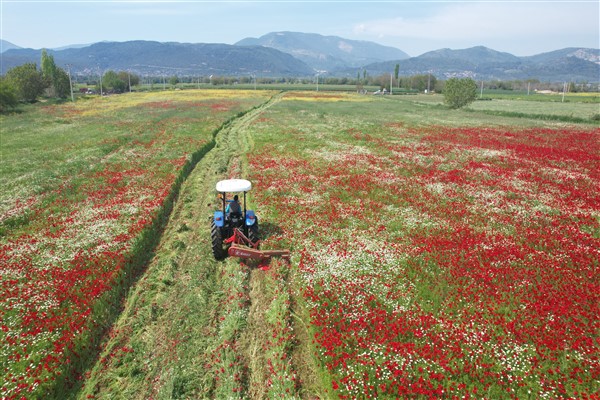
(518, 27)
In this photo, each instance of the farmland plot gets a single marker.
(434, 254)
(86, 188)
(437, 260)
(194, 327)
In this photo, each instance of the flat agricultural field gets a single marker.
(435, 253)
(85, 188)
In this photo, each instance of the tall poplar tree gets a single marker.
(48, 69)
(57, 78)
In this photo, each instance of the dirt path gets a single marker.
(196, 328)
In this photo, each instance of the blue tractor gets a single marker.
(234, 225)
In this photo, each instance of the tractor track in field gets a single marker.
(193, 327)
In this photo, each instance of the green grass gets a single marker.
(584, 111)
(505, 111)
(188, 317)
(103, 137)
(190, 313)
(47, 146)
(312, 143)
(592, 97)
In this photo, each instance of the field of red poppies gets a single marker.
(435, 253)
(438, 261)
(70, 250)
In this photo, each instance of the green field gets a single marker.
(576, 108)
(375, 196)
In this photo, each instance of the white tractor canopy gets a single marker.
(234, 185)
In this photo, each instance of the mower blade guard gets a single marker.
(261, 255)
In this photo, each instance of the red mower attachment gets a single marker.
(243, 247)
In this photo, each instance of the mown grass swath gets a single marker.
(212, 343)
(99, 183)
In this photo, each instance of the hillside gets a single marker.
(587, 54)
(301, 55)
(475, 55)
(155, 58)
(5, 45)
(326, 53)
(573, 64)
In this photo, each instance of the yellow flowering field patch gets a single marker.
(326, 96)
(109, 104)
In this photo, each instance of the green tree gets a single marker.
(572, 87)
(217, 80)
(129, 79)
(8, 96)
(62, 84)
(112, 82)
(396, 71)
(173, 81)
(423, 82)
(383, 81)
(56, 78)
(27, 82)
(459, 92)
(359, 84)
(48, 66)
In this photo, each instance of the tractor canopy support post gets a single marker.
(245, 227)
(223, 201)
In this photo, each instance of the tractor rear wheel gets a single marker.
(217, 242)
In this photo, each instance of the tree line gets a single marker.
(117, 82)
(26, 83)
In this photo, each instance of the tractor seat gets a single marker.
(235, 218)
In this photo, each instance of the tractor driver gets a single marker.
(234, 206)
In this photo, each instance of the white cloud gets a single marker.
(490, 20)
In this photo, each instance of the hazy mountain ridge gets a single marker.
(6, 45)
(171, 58)
(592, 55)
(326, 53)
(305, 54)
(475, 55)
(571, 64)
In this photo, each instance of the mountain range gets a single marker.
(570, 65)
(150, 58)
(326, 53)
(294, 54)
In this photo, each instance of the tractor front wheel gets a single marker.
(217, 242)
(253, 233)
